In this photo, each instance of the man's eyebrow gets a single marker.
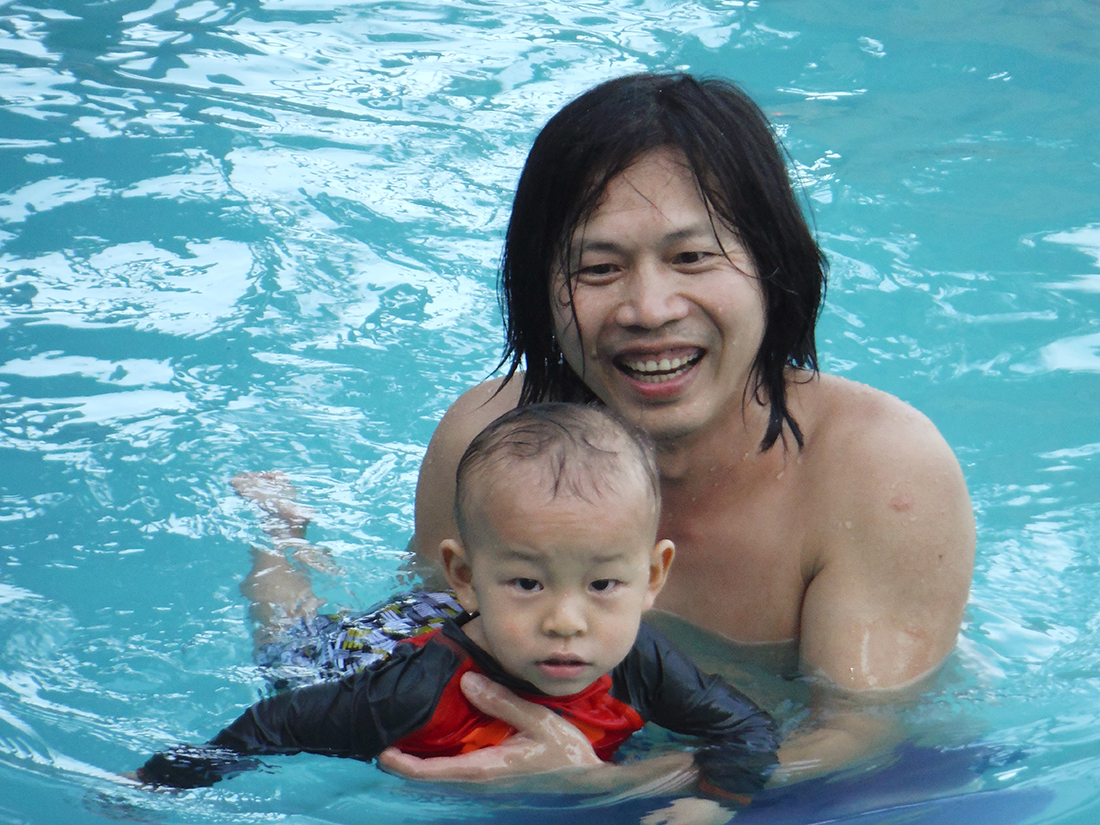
(692, 231)
(699, 230)
(598, 246)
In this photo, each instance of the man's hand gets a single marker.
(543, 742)
(544, 745)
(689, 811)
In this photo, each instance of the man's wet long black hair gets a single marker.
(738, 166)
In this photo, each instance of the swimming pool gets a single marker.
(252, 235)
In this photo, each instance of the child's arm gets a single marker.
(321, 718)
(188, 766)
(357, 717)
(741, 739)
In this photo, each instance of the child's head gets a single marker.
(557, 507)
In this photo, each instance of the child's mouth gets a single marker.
(562, 667)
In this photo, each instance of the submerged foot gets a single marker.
(273, 493)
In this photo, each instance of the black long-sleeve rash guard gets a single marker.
(413, 700)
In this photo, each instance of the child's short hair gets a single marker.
(584, 447)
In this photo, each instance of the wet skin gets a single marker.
(859, 546)
(665, 313)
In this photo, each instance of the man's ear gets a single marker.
(659, 562)
(459, 574)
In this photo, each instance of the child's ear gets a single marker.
(659, 562)
(459, 574)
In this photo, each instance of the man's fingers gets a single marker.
(500, 703)
(476, 766)
(391, 760)
(544, 742)
(553, 742)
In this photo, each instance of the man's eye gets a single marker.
(604, 585)
(689, 257)
(528, 585)
(596, 272)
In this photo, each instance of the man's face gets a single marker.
(560, 583)
(668, 303)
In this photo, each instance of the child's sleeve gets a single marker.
(358, 716)
(740, 738)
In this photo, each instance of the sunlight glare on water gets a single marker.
(239, 235)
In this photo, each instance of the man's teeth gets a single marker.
(664, 365)
(655, 371)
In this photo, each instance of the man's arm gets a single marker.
(896, 552)
(896, 555)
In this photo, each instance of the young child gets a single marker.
(555, 562)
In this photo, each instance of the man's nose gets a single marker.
(565, 617)
(651, 296)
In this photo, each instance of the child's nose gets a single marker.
(566, 618)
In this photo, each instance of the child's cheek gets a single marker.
(513, 629)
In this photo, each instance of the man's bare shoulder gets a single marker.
(881, 479)
(861, 427)
(473, 411)
(435, 488)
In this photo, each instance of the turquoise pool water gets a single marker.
(252, 235)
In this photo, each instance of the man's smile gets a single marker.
(658, 368)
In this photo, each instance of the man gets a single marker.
(656, 260)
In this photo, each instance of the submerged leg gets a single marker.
(279, 590)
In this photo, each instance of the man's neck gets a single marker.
(727, 446)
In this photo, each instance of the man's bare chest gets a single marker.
(740, 567)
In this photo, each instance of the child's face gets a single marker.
(561, 584)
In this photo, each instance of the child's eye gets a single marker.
(604, 585)
(527, 585)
